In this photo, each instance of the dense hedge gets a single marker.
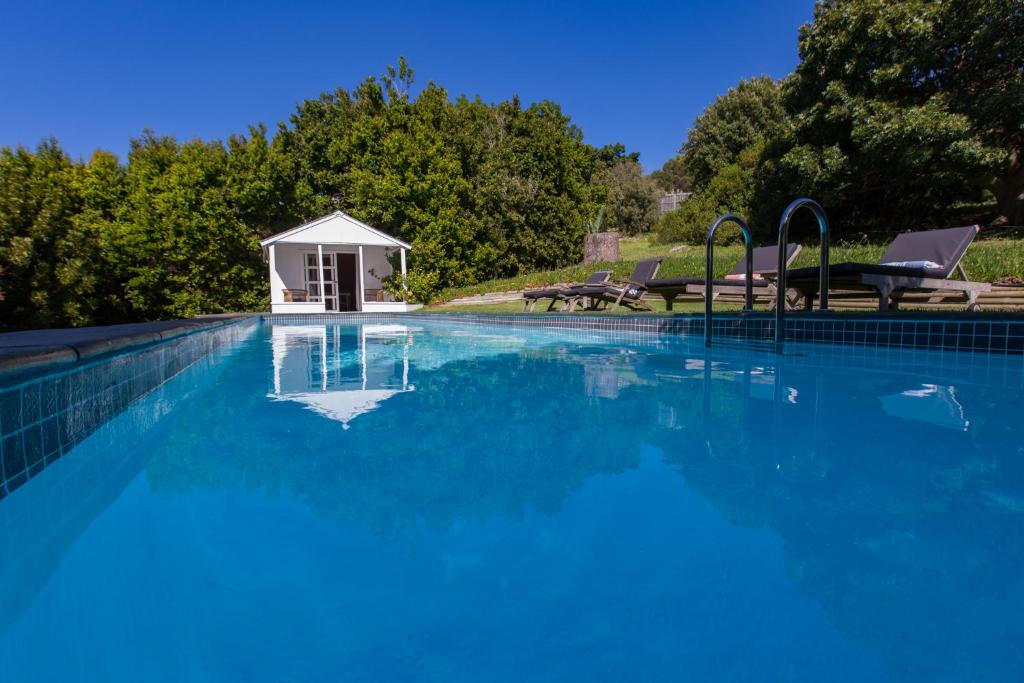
(480, 190)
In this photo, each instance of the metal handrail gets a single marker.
(780, 294)
(709, 264)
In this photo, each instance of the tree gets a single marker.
(673, 176)
(38, 203)
(529, 176)
(181, 241)
(480, 190)
(749, 113)
(730, 191)
(87, 257)
(631, 201)
(905, 111)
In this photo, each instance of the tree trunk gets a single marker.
(1009, 193)
(600, 246)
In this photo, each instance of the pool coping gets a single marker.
(28, 352)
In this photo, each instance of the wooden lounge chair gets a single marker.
(915, 262)
(561, 294)
(765, 262)
(629, 294)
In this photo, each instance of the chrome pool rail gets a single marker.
(709, 254)
(780, 294)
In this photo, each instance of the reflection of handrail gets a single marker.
(780, 294)
(709, 366)
(709, 256)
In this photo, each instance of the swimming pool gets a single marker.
(418, 500)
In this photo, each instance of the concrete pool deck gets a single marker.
(32, 349)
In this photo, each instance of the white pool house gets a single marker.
(333, 263)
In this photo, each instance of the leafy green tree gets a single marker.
(905, 111)
(631, 198)
(38, 203)
(730, 191)
(530, 175)
(673, 176)
(86, 256)
(751, 112)
(182, 242)
(480, 190)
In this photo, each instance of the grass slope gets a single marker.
(987, 260)
(517, 307)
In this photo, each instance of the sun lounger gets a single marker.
(915, 262)
(765, 262)
(628, 294)
(561, 294)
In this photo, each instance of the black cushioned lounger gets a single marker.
(765, 261)
(563, 294)
(625, 294)
(889, 282)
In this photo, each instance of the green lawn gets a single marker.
(986, 260)
(517, 307)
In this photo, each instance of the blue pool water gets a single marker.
(437, 502)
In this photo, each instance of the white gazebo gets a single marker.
(334, 263)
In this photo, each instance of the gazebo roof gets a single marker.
(335, 228)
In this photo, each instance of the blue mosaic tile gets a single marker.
(10, 410)
(44, 418)
(949, 333)
(13, 455)
(33, 440)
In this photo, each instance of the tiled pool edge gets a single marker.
(1002, 334)
(44, 417)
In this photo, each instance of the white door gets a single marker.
(330, 283)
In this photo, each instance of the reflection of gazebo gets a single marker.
(340, 372)
(930, 403)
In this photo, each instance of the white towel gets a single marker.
(923, 265)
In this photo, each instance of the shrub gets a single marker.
(689, 223)
(729, 191)
(423, 286)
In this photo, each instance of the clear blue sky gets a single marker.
(96, 74)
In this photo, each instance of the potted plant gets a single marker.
(600, 246)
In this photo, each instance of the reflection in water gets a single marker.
(342, 374)
(901, 532)
(37, 527)
(558, 487)
(929, 403)
(471, 441)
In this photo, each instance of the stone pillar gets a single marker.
(600, 246)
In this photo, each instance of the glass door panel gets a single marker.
(330, 282)
(311, 271)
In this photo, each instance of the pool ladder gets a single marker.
(709, 254)
(780, 294)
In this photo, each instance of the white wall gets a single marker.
(287, 270)
(375, 258)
